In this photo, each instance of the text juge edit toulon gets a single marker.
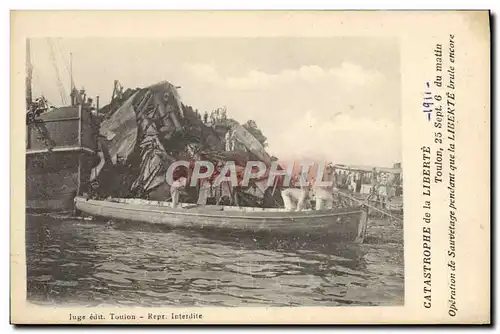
(130, 316)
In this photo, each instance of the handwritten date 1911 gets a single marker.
(430, 104)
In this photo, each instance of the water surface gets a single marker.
(93, 263)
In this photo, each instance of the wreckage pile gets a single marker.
(145, 130)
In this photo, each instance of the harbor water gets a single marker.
(99, 263)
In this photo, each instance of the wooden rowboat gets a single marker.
(342, 225)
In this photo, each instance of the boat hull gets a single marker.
(346, 225)
(53, 188)
(61, 150)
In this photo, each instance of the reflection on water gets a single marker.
(94, 263)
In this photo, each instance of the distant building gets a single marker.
(363, 177)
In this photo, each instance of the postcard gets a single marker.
(250, 167)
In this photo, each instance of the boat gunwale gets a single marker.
(286, 215)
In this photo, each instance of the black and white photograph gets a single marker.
(250, 167)
(221, 171)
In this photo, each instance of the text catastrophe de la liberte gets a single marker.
(439, 169)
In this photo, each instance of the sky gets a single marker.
(324, 99)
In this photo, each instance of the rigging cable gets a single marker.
(65, 63)
(54, 63)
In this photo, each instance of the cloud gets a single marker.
(345, 114)
(336, 114)
(345, 139)
(203, 73)
(347, 74)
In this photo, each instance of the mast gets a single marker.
(76, 97)
(29, 73)
(72, 84)
(71, 69)
(71, 93)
